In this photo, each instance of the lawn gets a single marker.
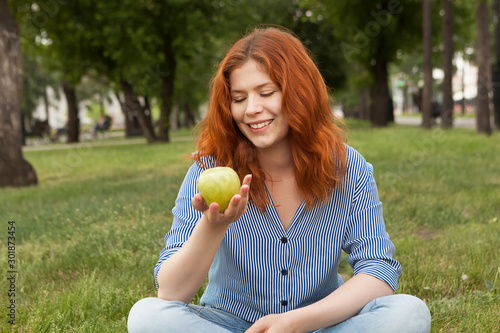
(88, 236)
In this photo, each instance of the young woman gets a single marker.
(272, 257)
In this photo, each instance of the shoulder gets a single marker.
(203, 161)
(199, 165)
(355, 161)
(359, 171)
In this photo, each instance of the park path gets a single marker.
(469, 123)
(46, 145)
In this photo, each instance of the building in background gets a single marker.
(58, 111)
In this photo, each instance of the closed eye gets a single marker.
(239, 100)
(236, 100)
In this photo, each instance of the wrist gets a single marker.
(297, 321)
(213, 228)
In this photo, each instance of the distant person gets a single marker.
(102, 124)
(61, 131)
(272, 257)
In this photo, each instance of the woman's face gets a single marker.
(256, 106)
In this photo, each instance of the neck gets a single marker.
(276, 163)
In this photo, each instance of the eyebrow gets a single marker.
(260, 86)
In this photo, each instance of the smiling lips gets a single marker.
(260, 125)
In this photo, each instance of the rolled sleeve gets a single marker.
(366, 240)
(185, 218)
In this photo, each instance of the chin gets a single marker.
(262, 145)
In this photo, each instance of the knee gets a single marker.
(155, 315)
(140, 315)
(415, 314)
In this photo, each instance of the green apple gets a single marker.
(219, 184)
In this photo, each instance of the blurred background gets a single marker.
(98, 100)
(146, 64)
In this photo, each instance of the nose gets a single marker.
(254, 106)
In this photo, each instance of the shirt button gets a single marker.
(284, 240)
(284, 302)
(284, 272)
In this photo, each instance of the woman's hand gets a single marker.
(273, 323)
(181, 276)
(343, 303)
(237, 206)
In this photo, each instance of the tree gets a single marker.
(496, 66)
(149, 50)
(464, 37)
(138, 46)
(59, 38)
(427, 45)
(483, 72)
(73, 118)
(367, 36)
(448, 52)
(36, 78)
(35, 84)
(316, 29)
(14, 169)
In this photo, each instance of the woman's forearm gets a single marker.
(342, 304)
(181, 276)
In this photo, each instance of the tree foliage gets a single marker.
(166, 51)
(371, 37)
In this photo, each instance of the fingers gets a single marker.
(247, 180)
(257, 327)
(239, 202)
(237, 206)
(198, 203)
(213, 212)
(245, 187)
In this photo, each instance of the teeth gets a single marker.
(260, 125)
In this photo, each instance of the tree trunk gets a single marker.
(127, 116)
(483, 68)
(496, 67)
(148, 113)
(189, 120)
(102, 109)
(73, 119)
(448, 51)
(364, 105)
(462, 101)
(132, 126)
(174, 116)
(495, 71)
(23, 130)
(14, 169)
(405, 99)
(133, 104)
(427, 41)
(380, 91)
(46, 106)
(167, 91)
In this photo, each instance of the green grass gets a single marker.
(89, 235)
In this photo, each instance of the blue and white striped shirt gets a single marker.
(261, 269)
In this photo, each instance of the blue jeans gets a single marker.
(396, 313)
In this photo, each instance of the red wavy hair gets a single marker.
(317, 141)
